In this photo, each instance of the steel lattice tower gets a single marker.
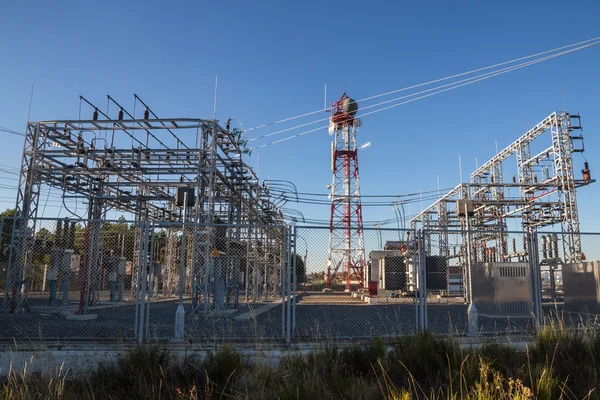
(346, 245)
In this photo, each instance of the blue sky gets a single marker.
(273, 58)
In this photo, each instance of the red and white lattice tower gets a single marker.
(346, 256)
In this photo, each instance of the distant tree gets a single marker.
(40, 251)
(44, 235)
(300, 269)
(7, 228)
(79, 239)
(111, 236)
(160, 246)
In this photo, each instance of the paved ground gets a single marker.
(116, 322)
(342, 316)
(317, 316)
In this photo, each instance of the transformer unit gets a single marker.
(392, 273)
(374, 257)
(502, 288)
(581, 285)
(437, 273)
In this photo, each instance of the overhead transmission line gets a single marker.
(596, 39)
(3, 129)
(451, 85)
(436, 90)
(366, 224)
(367, 195)
(325, 202)
(434, 81)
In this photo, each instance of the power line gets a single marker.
(485, 76)
(13, 172)
(365, 204)
(365, 195)
(473, 78)
(484, 68)
(3, 129)
(435, 90)
(436, 81)
(366, 224)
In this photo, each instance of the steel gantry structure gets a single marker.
(188, 174)
(544, 193)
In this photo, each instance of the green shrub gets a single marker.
(561, 364)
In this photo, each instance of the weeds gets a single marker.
(561, 364)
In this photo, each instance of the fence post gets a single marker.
(421, 284)
(424, 277)
(143, 279)
(180, 312)
(138, 280)
(535, 272)
(7, 280)
(283, 282)
(291, 263)
(293, 332)
(416, 260)
(150, 281)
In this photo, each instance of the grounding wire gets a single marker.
(433, 81)
(454, 86)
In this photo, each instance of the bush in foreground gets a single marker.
(560, 364)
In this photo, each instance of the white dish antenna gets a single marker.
(331, 128)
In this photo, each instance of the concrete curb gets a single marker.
(80, 359)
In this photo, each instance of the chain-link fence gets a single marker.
(122, 280)
(67, 279)
(569, 277)
(488, 275)
(224, 282)
(360, 288)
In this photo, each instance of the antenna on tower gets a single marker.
(30, 100)
(216, 88)
(364, 145)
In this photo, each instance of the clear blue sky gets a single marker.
(273, 58)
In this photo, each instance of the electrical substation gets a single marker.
(206, 250)
(542, 193)
(461, 246)
(222, 238)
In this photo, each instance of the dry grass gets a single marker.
(561, 364)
